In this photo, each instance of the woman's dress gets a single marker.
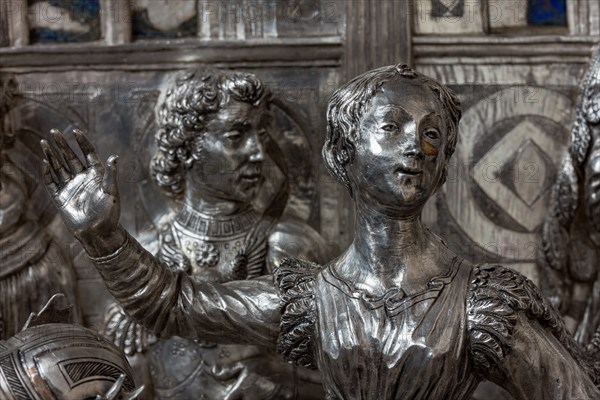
(472, 323)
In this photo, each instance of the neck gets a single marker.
(387, 245)
(212, 207)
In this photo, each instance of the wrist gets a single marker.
(105, 243)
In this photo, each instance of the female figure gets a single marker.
(397, 315)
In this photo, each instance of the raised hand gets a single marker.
(86, 194)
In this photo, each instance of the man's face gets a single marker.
(229, 164)
(400, 144)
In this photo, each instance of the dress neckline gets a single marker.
(394, 299)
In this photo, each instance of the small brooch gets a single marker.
(205, 254)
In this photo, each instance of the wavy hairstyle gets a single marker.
(349, 103)
(183, 111)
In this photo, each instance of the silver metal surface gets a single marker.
(570, 251)
(51, 359)
(32, 264)
(397, 315)
(212, 144)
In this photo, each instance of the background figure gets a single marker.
(212, 143)
(32, 265)
(570, 251)
(397, 315)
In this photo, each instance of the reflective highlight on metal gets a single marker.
(52, 359)
(33, 266)
(397, 315)
(570, 252)
(212, 143)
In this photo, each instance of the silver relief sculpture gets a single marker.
(570, 251)
(397, 315)
(32, 264)
(212, 144)
(51, 359)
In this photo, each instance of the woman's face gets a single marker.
(399, 159)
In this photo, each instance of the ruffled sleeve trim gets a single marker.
(496, 296)
(295, 281)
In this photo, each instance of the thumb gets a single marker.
(109, 181)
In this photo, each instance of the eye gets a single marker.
(233, 136)
(432, 134)
(388, 127)
(262, 133)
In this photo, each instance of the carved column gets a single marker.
(18, 24)
(378, 33)
(116, 21)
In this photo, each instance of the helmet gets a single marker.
(62, 361)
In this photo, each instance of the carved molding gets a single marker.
(169, 54)
(502, 50)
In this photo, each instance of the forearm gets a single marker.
(98, 244)
(172, 303)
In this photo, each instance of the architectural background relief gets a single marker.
(99, 65)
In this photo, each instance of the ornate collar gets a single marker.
(198, 225)
(395, 299)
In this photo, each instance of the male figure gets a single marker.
(570, 251)
(397, 315)
(211, 146)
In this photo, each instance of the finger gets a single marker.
(109, 181)
(115, 389)
(73, 163)
(57, 167)
(237, 388)
(48, 179)
(227, 372)
(122, 335)
(139, 338)
(87, 148)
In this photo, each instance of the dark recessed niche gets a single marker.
(64, 21)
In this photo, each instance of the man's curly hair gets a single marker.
(185, 108)
(349, 103)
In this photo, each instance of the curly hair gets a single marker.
(183, 111)
(349, 103)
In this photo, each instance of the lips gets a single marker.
(251, 176)
(408, 170)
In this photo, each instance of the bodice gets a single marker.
(433, 344)
(396, 345)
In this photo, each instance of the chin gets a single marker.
(410, 198)
(245, 194)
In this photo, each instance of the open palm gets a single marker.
(85, 193)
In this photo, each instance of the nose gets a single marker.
(412, 146)
(414, 151)
(257, 151)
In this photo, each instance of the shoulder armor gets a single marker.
(295, 281)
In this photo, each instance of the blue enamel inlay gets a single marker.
(547, 13)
